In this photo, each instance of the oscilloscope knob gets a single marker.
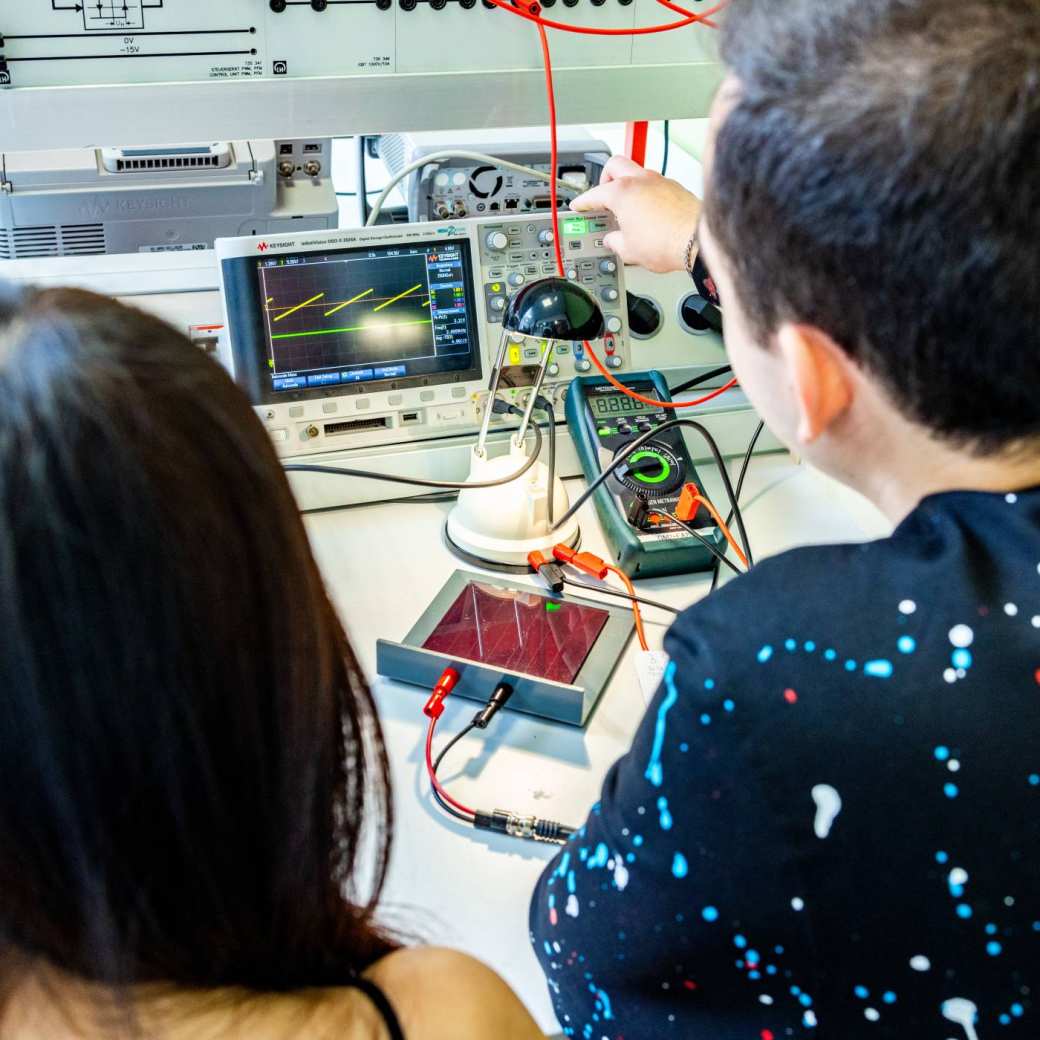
(546, 237)
(613, 323)
(609, 294)
(607, 266)
(497, 240)
(516, 279)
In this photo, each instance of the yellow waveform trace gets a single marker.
(426, 302)
(299, 306)
(399, 296)
(270, 299)
(340, 306)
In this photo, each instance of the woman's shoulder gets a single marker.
(441, 994)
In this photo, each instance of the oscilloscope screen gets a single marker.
(364, 315)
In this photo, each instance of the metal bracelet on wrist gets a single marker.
(688, 257)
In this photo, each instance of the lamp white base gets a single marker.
(504, 524)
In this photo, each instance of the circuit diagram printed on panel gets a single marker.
(113, 14)
(64, 43)
(47, 43)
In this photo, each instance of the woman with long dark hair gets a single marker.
(193, 782)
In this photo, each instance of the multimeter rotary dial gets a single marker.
(653, 471)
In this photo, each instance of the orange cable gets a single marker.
(734, 544)
(603, 371)
(640, 633)
(529, 11)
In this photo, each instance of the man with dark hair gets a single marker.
(828, 824)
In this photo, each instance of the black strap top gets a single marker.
(382, 1005)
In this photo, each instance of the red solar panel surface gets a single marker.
(518, 631)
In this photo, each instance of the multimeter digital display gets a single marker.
(610, 406)
(604, 423)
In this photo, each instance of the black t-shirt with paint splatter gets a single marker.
(828, 825)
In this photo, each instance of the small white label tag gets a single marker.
(650, 666)
(175, 247)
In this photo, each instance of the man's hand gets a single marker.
(656, 216)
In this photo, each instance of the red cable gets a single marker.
(682, 10)
(438, 787)
(554, 201)
(554, 207)
(547, 23)
(653, 400)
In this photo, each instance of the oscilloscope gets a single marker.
(383, 335)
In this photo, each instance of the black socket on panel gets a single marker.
(278, 6)
(319, 5)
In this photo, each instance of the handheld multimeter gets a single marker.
(603, 422)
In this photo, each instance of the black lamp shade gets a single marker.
(554, 308)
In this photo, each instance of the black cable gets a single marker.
(720, 556)
(362, 179)
(437, 764)
(667, 142)
(642, 441)
(621, 595)
(707, 377)
(747, 462)
(307, 467)
(740, 487)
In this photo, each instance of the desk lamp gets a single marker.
(499, 526)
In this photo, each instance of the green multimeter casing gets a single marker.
(602, 423)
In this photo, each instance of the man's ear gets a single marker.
(820, 377)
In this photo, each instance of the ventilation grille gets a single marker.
(392, 152)
(82, 239)
(29, 242)
(68, 240)
(167, 162)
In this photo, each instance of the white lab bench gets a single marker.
(448, 884)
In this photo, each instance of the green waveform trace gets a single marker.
(351, 328)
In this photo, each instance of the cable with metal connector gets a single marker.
(500, 821)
